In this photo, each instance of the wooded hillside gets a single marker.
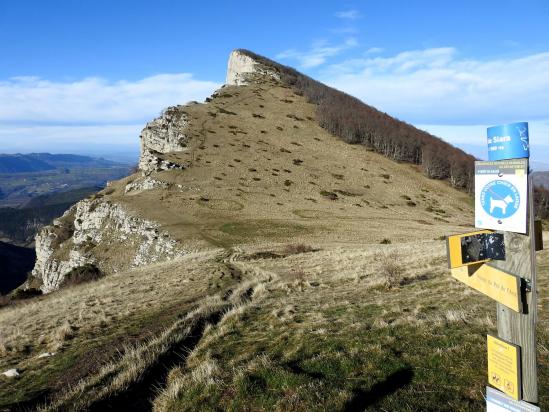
(358, 123)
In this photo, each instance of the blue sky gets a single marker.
(86, 76)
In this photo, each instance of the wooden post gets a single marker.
(520, 328)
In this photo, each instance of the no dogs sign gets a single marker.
(501, 191)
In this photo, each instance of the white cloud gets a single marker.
(89, 114)
(75, 139)
(467, 134)
(437, 86)
(318, 54)
(348, 14)
(374, 50)
(450, 96)
(96, 100)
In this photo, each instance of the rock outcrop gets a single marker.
(145, 183)
(164, 134)
(242, 66)
(102, 233)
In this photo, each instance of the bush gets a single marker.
(21, 294)
(329, 195)
(82, 274)
(541, 202)
(385, 241)
(298, 248)
(4, 300)
(391, 269)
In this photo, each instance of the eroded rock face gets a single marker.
(164, 134)
(146, 183)
(241, 66)
(125, 241)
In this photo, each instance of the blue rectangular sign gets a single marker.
(508, 141)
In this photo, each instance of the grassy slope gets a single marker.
(329, 337)
(318, 330)
(261, 179)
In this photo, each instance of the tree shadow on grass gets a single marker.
(363, 399)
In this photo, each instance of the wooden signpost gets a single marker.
(504, 202)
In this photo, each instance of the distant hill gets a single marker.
(15, 263)
(37, 162)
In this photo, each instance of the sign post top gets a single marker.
(508, 141)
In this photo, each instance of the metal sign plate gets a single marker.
(497, 401)
(494, 283)
(474, 247)
(508, 141)
(504, 366)
(501, 191)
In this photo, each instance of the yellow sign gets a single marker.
(504, 366)
(494, 283)
(455, 249)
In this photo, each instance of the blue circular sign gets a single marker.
(500, 199)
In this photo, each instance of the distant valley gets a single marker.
(35, 189)
(26, 176)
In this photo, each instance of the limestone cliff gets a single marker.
(103, 233)
(165, 134)
(242, 67)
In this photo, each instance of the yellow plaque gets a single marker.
(494, 283)
(504, 366)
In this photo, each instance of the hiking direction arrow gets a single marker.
(501, 193)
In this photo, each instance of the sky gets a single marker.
(86, 76)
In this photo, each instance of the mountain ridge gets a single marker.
(257, 118)
(36, 162)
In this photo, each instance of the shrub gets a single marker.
(82, 274)
(297, 248)
(329, 195)
(541, 202)
(222, 110)
(4, 301)
(21, 294)
(391, 269)
(386, 241)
